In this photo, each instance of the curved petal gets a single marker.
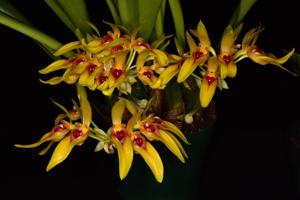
(203, 35)
(191, 42)
(45, 138)
(207, 92)
(162, 58)
(56, 65)
(67, 47)
(232, 69)
(125, 156)
(227, 40)
(174, 129)
(171, 144)
(61, 152)
(53, 81)
(152, 159)
(85, 106)
(168, 73)
(117, 112)
(187, 68)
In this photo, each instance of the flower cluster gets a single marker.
(119, 60)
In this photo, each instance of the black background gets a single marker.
(250, 156)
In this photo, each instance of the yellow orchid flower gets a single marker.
(120, 137)
(55, 135)
(66, 133)
(198, 53)
(74, 66)
(76, 136)
(153, 128)
(228, 49)
(171, 70)
(150, 155)
(209, 82)
(250, 50)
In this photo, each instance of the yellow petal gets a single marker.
(56, 65)
(174, 129)
(67, 47)
(152, 159)
(109, 91)
(227, 41)
(125, 156)
(191, 42)
(203, 35)
(187, 68)
(45, 138)
(131, 107)
(53, 81)
(168, 73)
(206, 92)
(223, 70)
(83, 78)
(61, 152)
(162, 58)
(45, 150)
(171, 144)
(85, 106)
(179, 145)
(117, 112)
(132, 122)
(141, 59)
(237, 30)
(212, 64)
(285, 58)
(232, 69)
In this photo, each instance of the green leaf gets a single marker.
(30, 31)
(128, 10)
(8, 9)
(73, 13)
(148, 11)
(113, 11)
(178, 19)
(241, 11)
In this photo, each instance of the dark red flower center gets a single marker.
(76, 61)
(144, 44)
(102, 79)
(210, 79)
(227, 59)
(91, 68)
(149, 127)
(139, 141)
(197, 55)
(149, 74)
(119, 134)
(59, 127)
(116, 48)
(117, 73)
(180, 63)
(106, 39)
(76, 133)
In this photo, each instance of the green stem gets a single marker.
(29, 31)
(113, 11)
(178, 21)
